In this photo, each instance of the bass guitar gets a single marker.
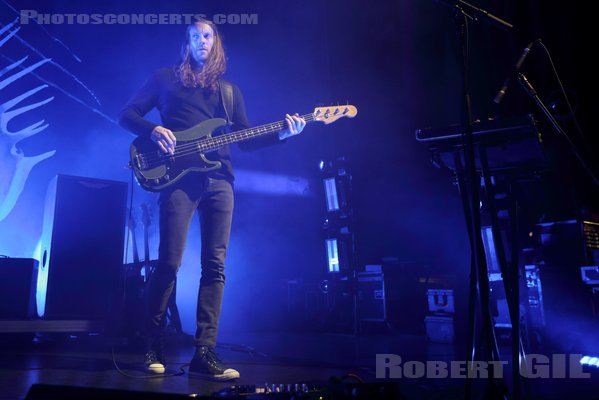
(155, 170)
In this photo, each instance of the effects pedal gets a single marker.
(294, 391)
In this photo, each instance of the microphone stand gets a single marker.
(478, 11)
(479, 278)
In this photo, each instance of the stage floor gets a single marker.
(262, 358)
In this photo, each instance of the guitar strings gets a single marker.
(212, 143)
(203, 145)
(195, 146)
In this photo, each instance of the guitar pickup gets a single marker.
(140, 162)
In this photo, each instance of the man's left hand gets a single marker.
(295, 124)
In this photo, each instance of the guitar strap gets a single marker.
(226, 95)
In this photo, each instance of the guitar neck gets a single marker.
(250, 133)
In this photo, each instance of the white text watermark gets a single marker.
(532, 366)
(32, 16)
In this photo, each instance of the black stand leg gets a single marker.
(469, 189)
(479, 296)
(472, 188)
(471, 345)
(509, 269)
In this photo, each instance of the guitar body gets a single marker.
(155, 170)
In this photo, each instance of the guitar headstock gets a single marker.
(333, 113)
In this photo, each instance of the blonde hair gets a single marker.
(206, 77)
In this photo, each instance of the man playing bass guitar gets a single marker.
(186, 95)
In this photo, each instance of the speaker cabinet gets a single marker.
(18, 277)
(82, 248)
(371, 297)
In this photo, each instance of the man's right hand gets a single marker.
(164, 138)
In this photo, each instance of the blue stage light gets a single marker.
(332, 255)
(330, 190)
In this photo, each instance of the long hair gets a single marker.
(207, 76)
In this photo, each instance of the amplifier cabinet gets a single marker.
(371, 297)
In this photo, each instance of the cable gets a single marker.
(561, 86)
(242, 348)
(124, 300)
(352, 376)
(581, 159)
(145, 376)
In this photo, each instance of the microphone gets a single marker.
(517, 66)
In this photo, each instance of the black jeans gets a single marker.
(213, 198)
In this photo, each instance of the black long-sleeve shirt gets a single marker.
(181, 108)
